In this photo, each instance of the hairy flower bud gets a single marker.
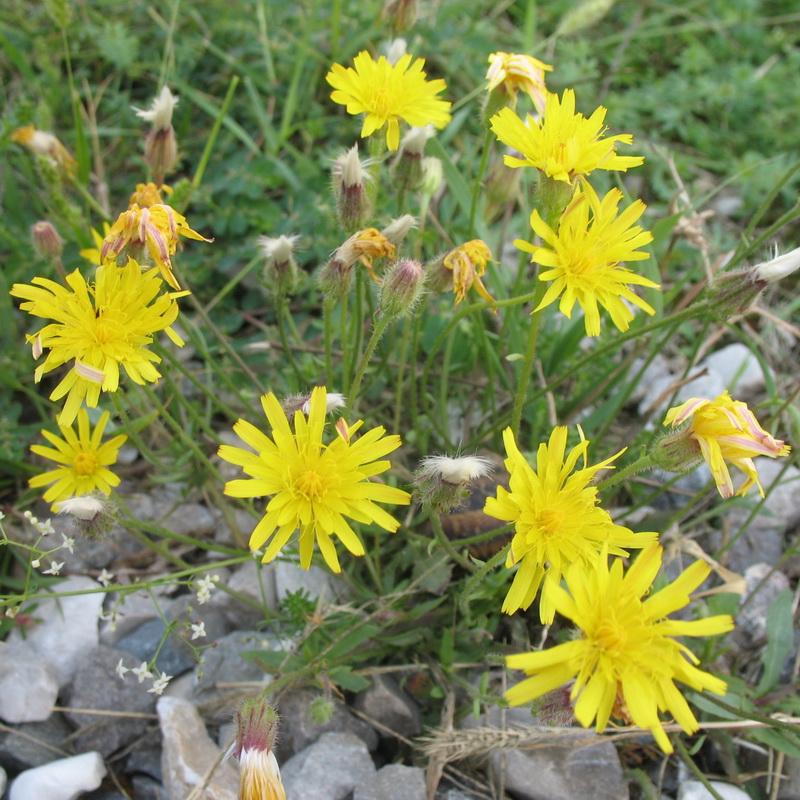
(160, 147)
(407, 167)
(397, 230)
(46, 240)
(432, 176)
(281, 272)
(402, 289)
(777, 268)
(349, 188)
(256, 729)
(442, 482)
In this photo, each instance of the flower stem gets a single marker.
(281, 310)
(527, 366)
(640, 465)
(479, 575)
(476, 190)
(447, 545)
(381, 325)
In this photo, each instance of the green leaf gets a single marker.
(780, 640)
(779, 739)
(351, 641)
(344, 677)
(446, 648)
(273, 660)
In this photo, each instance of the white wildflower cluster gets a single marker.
(45, 528)
(142, 672)
(204, 587)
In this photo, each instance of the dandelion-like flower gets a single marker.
(722, 430)
(582, 258)
(468, 264)
(101, 328)
(157, 228)
(387, 93)
(563, 144)
(83, 458)
(314, 486)
(626, 661)
(557, 519)
(92, 254)
(259, 774)
(515, 71)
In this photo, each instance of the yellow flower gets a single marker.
(468, 264)
(92, 254)
(387, 93)
(148, 194)
(256, 730)
(83, 460)
(515, 71)
(46, 144)
(563, 144)
(314, 485)
(582, 259)
(557, 520)
(726, 430)
(157, 227)
(364, 246)
(626, 659)
(100, 328)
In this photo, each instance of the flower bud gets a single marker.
(396, 49)
(510, 72)
(442, 482)
(397, 230)
(92, 516)
(335, 277)
(281, 272)
(349, 188)
(778, 268)
(733, 293)
(402, 289)
(321, 710)
(500, 188)
(407, 167)
(402, 14)
(160, 147)
(259, 774)
(302, 402)
(46, 240)
(432, 176)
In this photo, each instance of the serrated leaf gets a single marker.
(780, 640)
(117, 45)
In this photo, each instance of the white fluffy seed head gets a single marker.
(160, 111)
(86, 507)
(456, 470)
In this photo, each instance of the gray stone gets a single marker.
(235, 533)
(562, 772)
(385, 702)
(128, 610)
(32, 744)
(28, 685)
(145, 760)
(174, 657)
(780, 509)
(255, 583)
(658, 397)
(65, 779)
(190, 756)
(97, 686)
(682, 488)
(393, 782)
(738, 368)
(329, 769)
(145, 788)
(190, 519)
(751, 621)
(187, 611)
(68, 626)
(657, 369)
(298, 730)
(694, 790)
(291, 577)
(750, 547)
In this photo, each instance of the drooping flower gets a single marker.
(314, 486)
(387, 93)
(157, 229)
(563, 145)
(468, 264)
(582, 258)
(46, 144)
(364, 246)
(100, 328)
(723, 430)
(256, 729)
(83, 458)
(557, 519)
(514, 71)
(626, 661)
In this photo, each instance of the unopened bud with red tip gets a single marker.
(256, 729)
(403, 287)
(349, 188)
(281, 272)
(46, 241)
(442, 482)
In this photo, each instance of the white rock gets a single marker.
(738, 368)
(28, 685)
(65, 779)
(291, 577)
(658, 395)
(68, 626)
(694, 790)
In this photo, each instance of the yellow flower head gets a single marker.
(515, 71)
(92, 254)
(582, 258)
(387, 93)
(626, 660)
(563, 145)
(148, 194)
(314, 486)
(468, 264)
(46, 144)
(557, 520)
(83, 460)
(256, 730)
(100, 328)
(726, 430)
(365, 246)
(158, 228)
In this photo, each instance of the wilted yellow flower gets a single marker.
(45, 144)
(725, 430)
(83, 460)
(557, 520)
(99, 328)
(148, 194)
(256, 730)
(365, 246)
(515, 71)
(387, 93)
(468, 264)
(314, 485)
(626, 661)
(582, 258)
(157, 228)
(92, 254)
(563, 145)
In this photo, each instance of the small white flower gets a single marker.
(28, 515)
(45, 528)
(142, 672)
(160, 683)
(204, 587)
(69, 542)
(455, 470)
(36, 563)
(105, 577)
(160, 111)
(198, 630)
(55, 568)
(120, 669)
(2, 516)
(85, 507)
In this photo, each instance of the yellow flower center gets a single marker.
(85, 463)
(380, 102)
(311, 485)
(107, 330)
(550, 522)
(610, 635)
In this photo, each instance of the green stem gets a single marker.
(530, 357)
(698, 773)
(133, 434)
(281, 308)
(476, 190)
(447, 545)
(640, 465)
(401, 372)
(498, 558)
(377, 332)
(327, 314)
